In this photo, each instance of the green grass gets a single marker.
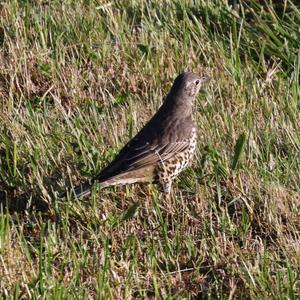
(78, 79)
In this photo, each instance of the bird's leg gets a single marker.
(167, 185)
(168, 196)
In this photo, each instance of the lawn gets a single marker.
(78, 79)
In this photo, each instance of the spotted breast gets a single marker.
(169, 169)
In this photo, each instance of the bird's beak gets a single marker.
(205, 78)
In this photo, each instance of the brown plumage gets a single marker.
(163, 147)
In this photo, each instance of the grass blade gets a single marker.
(238, 150)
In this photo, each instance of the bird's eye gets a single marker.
(197, 81)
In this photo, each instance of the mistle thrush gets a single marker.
(163, 147)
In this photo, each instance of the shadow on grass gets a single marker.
(19, 203)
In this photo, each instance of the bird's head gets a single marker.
(188, 84)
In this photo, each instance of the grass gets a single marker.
(78, 79)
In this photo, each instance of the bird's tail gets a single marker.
(79, 191)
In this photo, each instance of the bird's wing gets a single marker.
(136, 155)
(151, 155)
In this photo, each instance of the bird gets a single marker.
(162, 148)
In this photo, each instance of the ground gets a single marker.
(80, 78)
